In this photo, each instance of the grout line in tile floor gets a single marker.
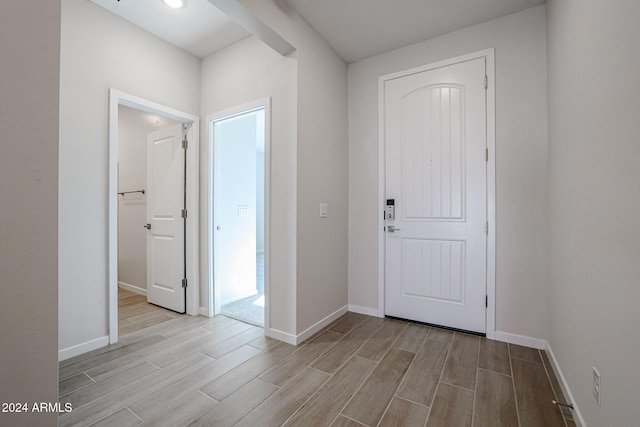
(475, 390)
(513, 381)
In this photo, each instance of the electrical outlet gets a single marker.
(596, 385)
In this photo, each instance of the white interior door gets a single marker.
(436, 247)
(165, 202)
(235, 207)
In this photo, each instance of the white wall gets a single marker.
(321, 244)
(521, 158)
(244, 72)
(29, 46)
(100, 51)
(594, 64)
(133, 128)
(308, 268)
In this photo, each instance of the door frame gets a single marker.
(209, 187)
(489, 56)
(117, 98)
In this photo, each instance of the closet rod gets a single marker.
(122, 193)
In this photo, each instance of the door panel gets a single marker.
(165, 201)
(235, 207)
(433, 269)
(435, 139)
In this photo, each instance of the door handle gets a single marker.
(392, 229)
(148, 226)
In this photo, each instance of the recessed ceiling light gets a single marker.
(176, 4)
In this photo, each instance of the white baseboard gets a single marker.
(307, 333)
(577, 416)
(520, 340)
(204, 312)
(135, 289)
(281, 336)
(365, 310)
(68, 353)
(544, 345)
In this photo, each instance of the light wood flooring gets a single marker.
(135, 313)
(361, 370)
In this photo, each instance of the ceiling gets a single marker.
(356, 29)
(199, 28)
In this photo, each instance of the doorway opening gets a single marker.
(131, 187)
(239, 240)
(139, 306)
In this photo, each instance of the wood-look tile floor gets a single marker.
(359, 371)
(134, 312)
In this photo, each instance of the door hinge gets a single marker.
(184, 282)
(486, 82)
(185, 143)
(486, 150)
(486, 301)
(184, 213)
(486, 227)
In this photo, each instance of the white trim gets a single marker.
(382, 183)
(577, 415)
(520, 340)
(489, 56)
(368, 311)
(204, 312)
(281, 336)
(309, 332)
(316, 327)
(117, 98)
(490, 326)
(208, 174)
(76, 350)
(132, 288)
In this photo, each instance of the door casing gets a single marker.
(488, 54)
(117, 98)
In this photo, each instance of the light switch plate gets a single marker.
(324, 210)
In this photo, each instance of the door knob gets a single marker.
(148, 226)
(392, 229)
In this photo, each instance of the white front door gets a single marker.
(165, 202)
(436, 247)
